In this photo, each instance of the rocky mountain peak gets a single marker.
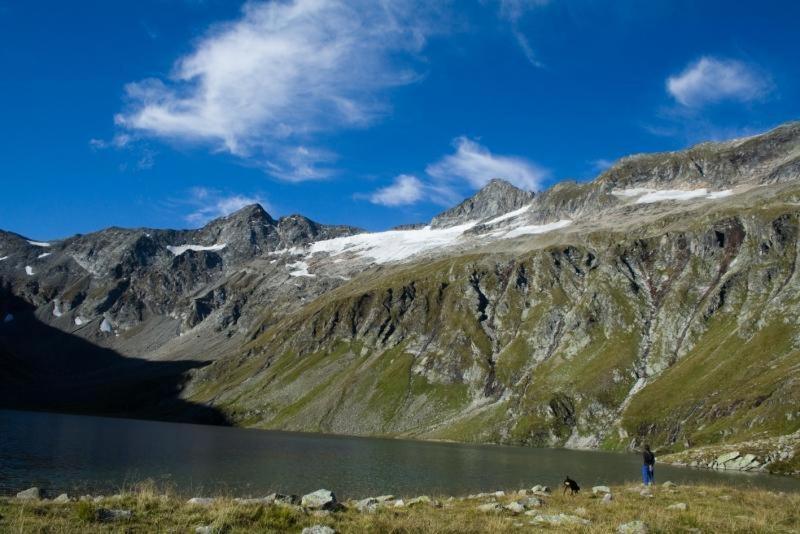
(252, 213)
(495, 198)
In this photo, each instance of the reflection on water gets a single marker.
(96, 454)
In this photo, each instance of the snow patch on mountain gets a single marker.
(177, 251)
(645, 195)
(29, 270)
(300, 268)
(4, 258)
(44, 255)
(510, 215)
(532, 229)
(39, 243)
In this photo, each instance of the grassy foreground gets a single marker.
(708, 509)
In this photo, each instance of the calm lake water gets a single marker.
(82, 454)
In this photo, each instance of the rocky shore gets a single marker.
(623, 509)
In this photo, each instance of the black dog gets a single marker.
(571, 485)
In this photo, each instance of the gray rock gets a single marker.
(399, 503)
(201, 501)
(30, 494)
(319, 529)
(559, 519)
(368, 505)
(607, 498)
(496, 198)
(634, 527)
(321, 499)
(530, 502)
(204, 529)
(515, 507)
(669, 484)
(597, 490)
(679, 506)
(646, 493)
(61, 499)
(539, 489)
(106, 514)
(422, 499)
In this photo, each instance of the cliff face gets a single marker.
(657, 302)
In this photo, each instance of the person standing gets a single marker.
(648, 466)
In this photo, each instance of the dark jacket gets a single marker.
(649, 458)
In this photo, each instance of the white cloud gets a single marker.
(405, 189)
(475, 165)
(261, 85)
(600, 165)
(208, 204)
(514, 9)
(710, 80)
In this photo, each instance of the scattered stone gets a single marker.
(559, 519)
(399, 503)
(669, 484)
(499, 494)
(368, 505)
(530, 502)
(319, 529)
(30, 494)
(634, 527)
(204, 529)
(727, 457)
(597, 490)
(200, 501)
(422, 499)
(384, 498)
(321, 499)
(581, 511)
(255, 500)
(61, 499)
(646, 493)
(540, 490)
(490, 507)
(105, 514)
(679, 506)
(515, 507)
(607, 498)
(99, 499)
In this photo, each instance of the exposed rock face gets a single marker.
(496, 198)
(656, 303)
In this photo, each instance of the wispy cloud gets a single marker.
(710, 80)
(474, 165)
(207, 204)
(405, 189)
(262, 86)
(513, 11)
(448, 180)
(600, 165)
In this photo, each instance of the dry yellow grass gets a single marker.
(711, 509)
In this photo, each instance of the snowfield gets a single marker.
(533, 229)
(300, 268)
(177, 251)
(646, 195)
(39, 243)
(509, 215)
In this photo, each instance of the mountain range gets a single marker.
(657, 303)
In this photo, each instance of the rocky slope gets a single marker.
(656, 303)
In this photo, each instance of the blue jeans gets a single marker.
(648, 475)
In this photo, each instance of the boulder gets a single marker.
(318, 529)
(321, 499)
(600, 490)
(204, 529)
(422, 499)
(61, 499)
(559, 519)
(727, 457)
(669, 484)
(515, 507)
(30, 494)
(634, 527)
(530, 502)
(384, 498)
(106, 514)
(679, 506)
(399, 503)
(607, 498)
(200, 501)
(368, 505)
(539, 489)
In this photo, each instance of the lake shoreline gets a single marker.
(617, 508)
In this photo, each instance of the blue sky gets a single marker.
(165, 113)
